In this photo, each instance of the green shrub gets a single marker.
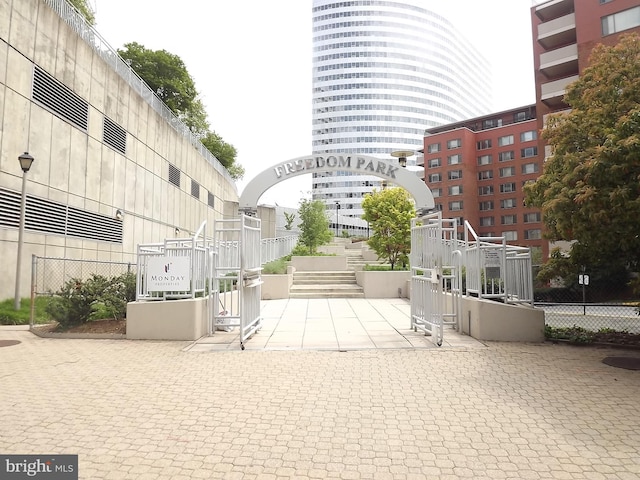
(73, 303)
(79, 301)
(301, 251)
(385, 267)
(573, 334)
(276, 267)
(118, 291)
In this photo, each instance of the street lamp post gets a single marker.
(337, 211)
(25, 164)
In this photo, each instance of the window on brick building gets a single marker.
(506, 140)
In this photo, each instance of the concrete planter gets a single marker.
(384, 284)
(170, 320)
(276, 286)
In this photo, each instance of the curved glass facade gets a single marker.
(383, 72)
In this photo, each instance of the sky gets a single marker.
(251, 63)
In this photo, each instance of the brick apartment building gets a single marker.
(476, 168)
(564, 33)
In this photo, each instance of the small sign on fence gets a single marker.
(492, 264)
(169, 274)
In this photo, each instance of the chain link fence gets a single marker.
(594, 306)
(49, 274)
(591, 316)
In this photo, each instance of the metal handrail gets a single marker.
(515, 282)
(77, 22)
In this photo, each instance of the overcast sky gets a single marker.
(251, 62)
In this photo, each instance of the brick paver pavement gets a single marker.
(154, 410)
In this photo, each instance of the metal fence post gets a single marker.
(34, 272)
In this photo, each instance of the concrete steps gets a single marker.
(357, 262)
(324, 278)
(325, 284)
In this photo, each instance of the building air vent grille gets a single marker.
(211, 199)
(60, 99)
(49, 217)
(174, 175)
(195, 189)
(114, 135)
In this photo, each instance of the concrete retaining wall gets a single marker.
(332, 249)
(319, 264)
(383, 284)
(276, 286)
(495, 321)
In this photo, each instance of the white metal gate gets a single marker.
(237, 276)
(426, 303)
(436, 286)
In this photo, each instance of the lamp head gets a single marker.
(402, 155)
(25, 161)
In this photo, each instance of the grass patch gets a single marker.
(383, 268)
(276, 267)
(10, 316)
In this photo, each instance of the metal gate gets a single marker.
(436, 286)
(237, 276)
(426, 307)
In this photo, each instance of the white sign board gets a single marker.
(583, 279)
(491, 258)
(492, 264)
(169, 274)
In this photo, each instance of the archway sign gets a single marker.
(362, 164)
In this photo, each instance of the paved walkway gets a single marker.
(333, 324)
(164, 410)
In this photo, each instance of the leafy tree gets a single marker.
(289, 218)
(314, 224)
(589, 191)
(224, 152)
(389, 213)
(85, 10)
(167, 75)
(236, 171)
(558, 265)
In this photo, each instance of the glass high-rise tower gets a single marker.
(383, 72)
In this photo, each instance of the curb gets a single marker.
(619, 346)
(89, 336)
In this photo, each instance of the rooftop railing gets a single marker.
(77, 22)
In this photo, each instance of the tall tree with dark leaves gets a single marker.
(589, 191)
